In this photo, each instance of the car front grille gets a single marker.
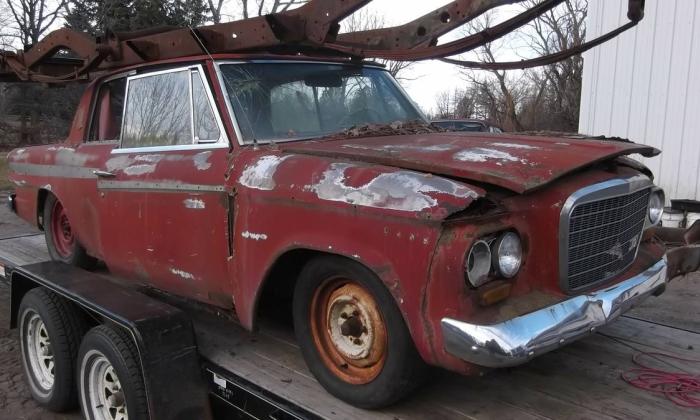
(602, 238)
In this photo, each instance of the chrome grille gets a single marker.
(602, 237)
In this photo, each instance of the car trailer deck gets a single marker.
(263, 374)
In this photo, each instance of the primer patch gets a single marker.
(180, 273)
(254, 236)
(260, 175)
(201, 160)
(482, 154)
(194, 203)
(516, 146)
(401, 190)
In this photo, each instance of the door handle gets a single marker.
(103, 174)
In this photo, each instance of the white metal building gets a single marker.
(645, 86)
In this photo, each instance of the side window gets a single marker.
(107, 116)
(158, 111)
(206, 129)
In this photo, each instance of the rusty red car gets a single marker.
(225, 179)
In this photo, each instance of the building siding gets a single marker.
(645, 86)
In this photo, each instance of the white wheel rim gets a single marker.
(104, 397)
(38, 350)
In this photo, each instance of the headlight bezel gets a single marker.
(482, 262)
(498, 251)
(479, 256)
(657, 194)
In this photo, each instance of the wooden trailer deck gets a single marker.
(581, 380)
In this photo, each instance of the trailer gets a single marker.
(216, 368)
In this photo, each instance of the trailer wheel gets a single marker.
(60, 238)
(50, 332)
(109, 372)
(352, 334)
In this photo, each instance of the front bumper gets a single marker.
(518, 340)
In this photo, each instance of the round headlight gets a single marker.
(508, 254)
(656, 206)
(478, 263)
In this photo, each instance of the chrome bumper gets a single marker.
(520, 339)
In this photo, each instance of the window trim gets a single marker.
(221, 143)
(234, 119)
(93, 105)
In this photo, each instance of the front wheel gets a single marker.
(109, 373)
(352, 334)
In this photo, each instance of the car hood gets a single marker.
(515, 162)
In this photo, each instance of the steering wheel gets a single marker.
(371, 114)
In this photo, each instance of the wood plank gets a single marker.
(24, 250)
(677, 307)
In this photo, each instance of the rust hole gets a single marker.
(445, 17)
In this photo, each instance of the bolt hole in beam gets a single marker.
(445, 17)
(421, 31)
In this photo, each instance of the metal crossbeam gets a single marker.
(311, 29)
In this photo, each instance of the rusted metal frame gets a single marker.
(314, 22)
(544, 60)
(455, 47)
(425, 30)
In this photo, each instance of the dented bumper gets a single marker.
(518, 340)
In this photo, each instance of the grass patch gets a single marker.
(5, 184)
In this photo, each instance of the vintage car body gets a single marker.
(225, 222)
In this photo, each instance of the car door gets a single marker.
(167, 182)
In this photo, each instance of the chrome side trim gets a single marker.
(164, 186)
(62, 171)
(603, 190)
(518, 340)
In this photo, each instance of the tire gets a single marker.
(110, 377)
(60, 240)
(353, 336)
(50, 332)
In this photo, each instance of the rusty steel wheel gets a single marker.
(61, 232)
(352, 334)
(348, 330)
(60, 236)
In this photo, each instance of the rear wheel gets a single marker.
(60, 238)
(50, 332)
(352, 334)
(109, 373)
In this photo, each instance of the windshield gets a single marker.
(287, 101)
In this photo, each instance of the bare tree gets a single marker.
(31, 18)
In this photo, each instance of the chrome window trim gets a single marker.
(221, 143)
(93, 106)
(608, 189)
(234, 119)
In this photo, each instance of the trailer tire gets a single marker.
(60, 240)
(50, 330)
(108, 358)
(352, 334)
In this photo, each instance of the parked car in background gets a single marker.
(467, 125)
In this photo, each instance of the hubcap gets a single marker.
(61, 231)
(39, 353)
(348, 330)
(104, 395)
